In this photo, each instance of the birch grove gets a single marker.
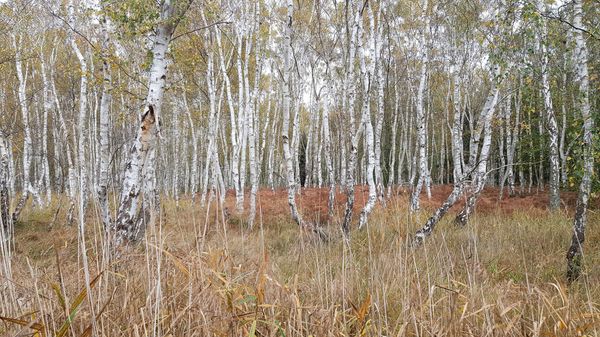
(128, 105)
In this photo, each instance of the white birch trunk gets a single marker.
(392, 165)
(327, 151)
(285, 131)
(353, 132)
(253, 115)
(81, 171)
(552, 125)
(105, 101)
(369, 140)
(420, 117)
(479, 176)
(194, 164)
(47, 105)
(5, 198)
(378, 65)
(575, 252)
(457, 159)
(235, 161)
(131, 221)
(27, 186)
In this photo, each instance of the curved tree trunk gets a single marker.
(133, 218)
(480, 174)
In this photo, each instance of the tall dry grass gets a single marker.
(197, 275)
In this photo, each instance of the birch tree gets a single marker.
(420, 114)
(102, 188)
(369, 134)
(552, 125)
(353, 132)
(132, 218)
(27, 185)
(575, 251)
(286, 104)
(5, 197)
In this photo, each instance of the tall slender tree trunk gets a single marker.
(552, 126)
(83, 91)
(47, 106)
(71, 171)
(420, 117)
(253, 115)
(27, 186)
(194, 155)
(5, 216)
(285, 131)
(235, 155)
(368, 141)
(102, 188)
(575, 252)
(353, 134)
(327, 151)
(378, 72)
(392, 166)
(139, 175)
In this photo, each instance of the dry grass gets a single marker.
(503, 275)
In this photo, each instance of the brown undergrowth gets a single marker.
(197, 275)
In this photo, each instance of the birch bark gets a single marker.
(369, 140)
(552, 125)
(47, 107)
(27, 187)
(457, 159)
(105, 101)
(131, 220)
(253, 115)
(575, 251)
(479, 176)
(285, 131)
(5, 216)
(420, 117)
(354, 134)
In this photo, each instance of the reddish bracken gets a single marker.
(312, 202)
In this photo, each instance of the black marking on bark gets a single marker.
(149, 113)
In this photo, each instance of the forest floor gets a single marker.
(312, 202)
(204, 273)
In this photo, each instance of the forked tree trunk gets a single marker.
(457, 159)
(480, 174)
(235, 157)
